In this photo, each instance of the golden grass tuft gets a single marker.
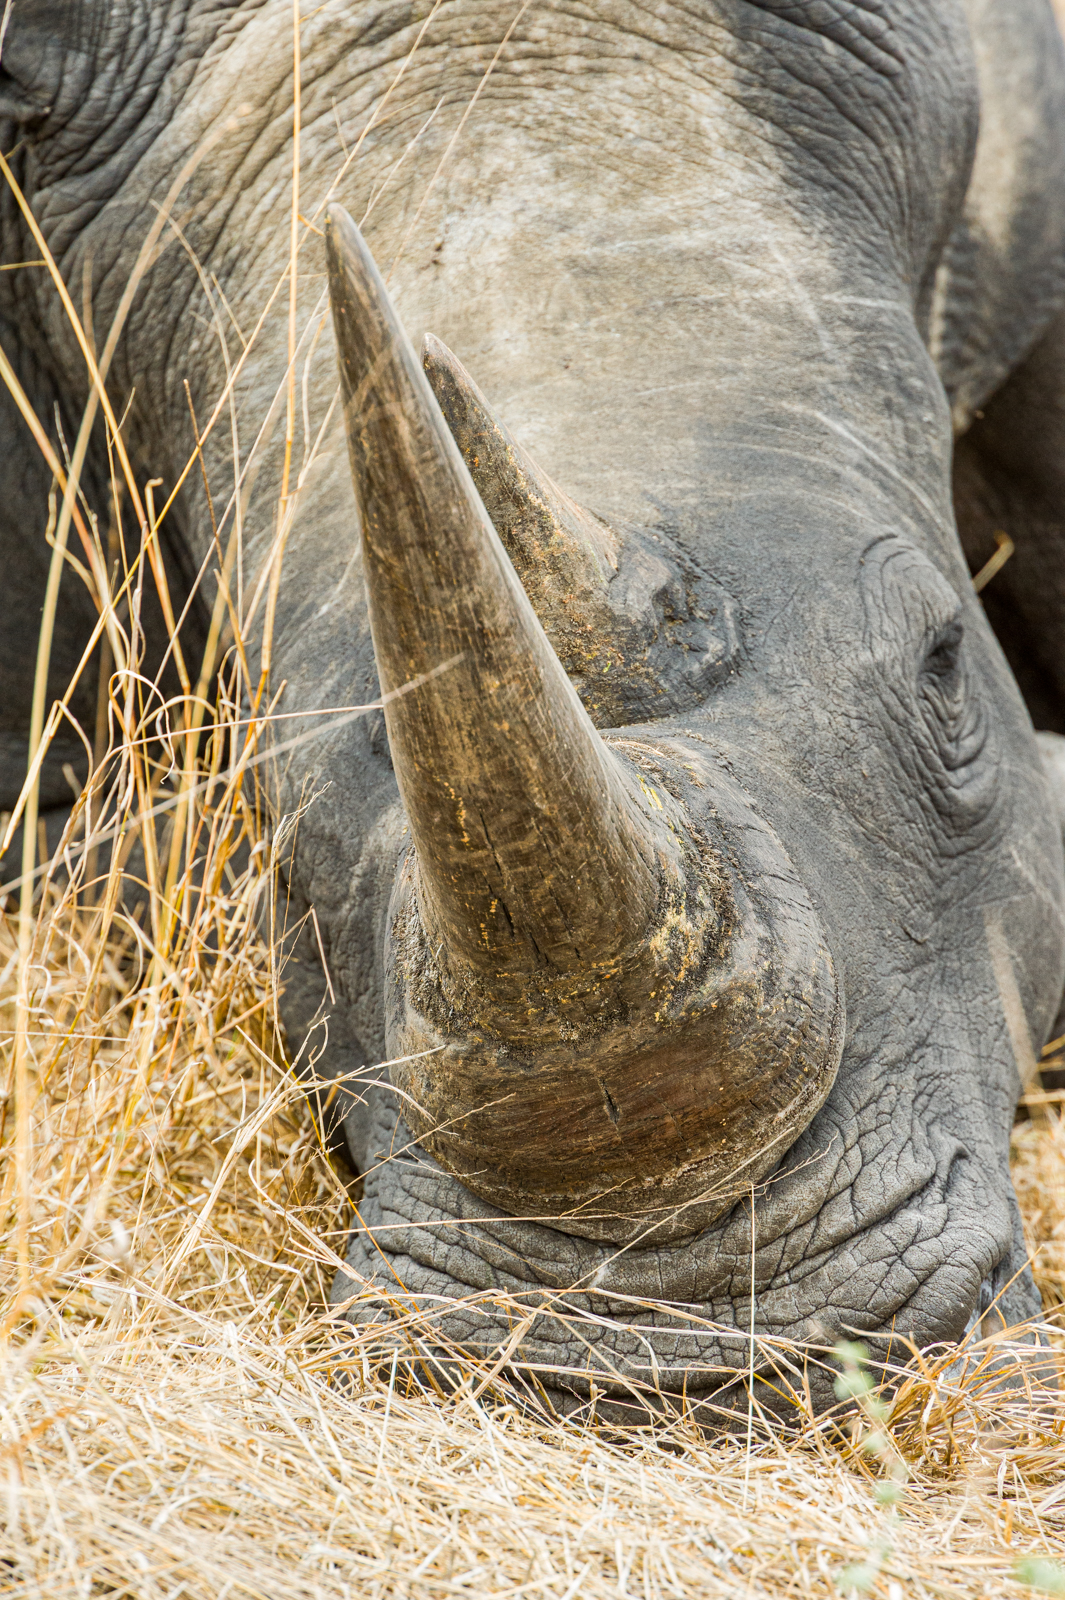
(167, 1424)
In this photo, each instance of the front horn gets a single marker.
(532, 848)
(614, 1027)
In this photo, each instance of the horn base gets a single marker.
(645, 1115)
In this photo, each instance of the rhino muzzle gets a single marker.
(610, 1001)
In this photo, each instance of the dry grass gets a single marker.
(167, 1423)
(170, 1229)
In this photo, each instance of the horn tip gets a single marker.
(345, 243)
(337, 216)
(440, 361)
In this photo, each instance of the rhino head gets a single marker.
(616, 999)
(707, 896)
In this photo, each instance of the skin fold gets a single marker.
(734, 274)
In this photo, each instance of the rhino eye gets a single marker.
(941, 669)
(953, 715)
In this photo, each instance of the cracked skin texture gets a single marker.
(695, 256)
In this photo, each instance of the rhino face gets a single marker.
(792, 936)
(709, 905)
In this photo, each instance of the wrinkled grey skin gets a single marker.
(725, 270)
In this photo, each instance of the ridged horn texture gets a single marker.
(609, 1002)
(531, 847)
